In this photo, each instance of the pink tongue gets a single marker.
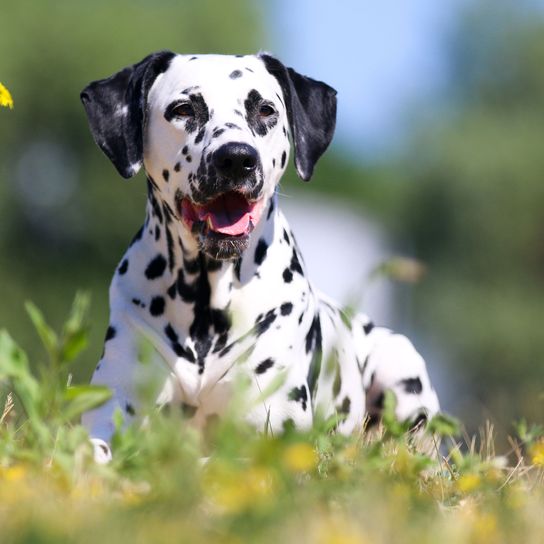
(229, 214)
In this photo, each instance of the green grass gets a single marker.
(169, 483)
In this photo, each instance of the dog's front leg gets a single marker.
(120, 370)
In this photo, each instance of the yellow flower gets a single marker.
(5, 97)
(537, 453)
(468, 483)
(300, 457)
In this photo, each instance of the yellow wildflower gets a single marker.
(537, 453)
(5, 97)
(468, 482)
(300, 457)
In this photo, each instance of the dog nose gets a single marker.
(235, 160)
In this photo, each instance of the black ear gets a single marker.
(311, 110)
(116, 109)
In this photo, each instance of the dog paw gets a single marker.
(101, 451)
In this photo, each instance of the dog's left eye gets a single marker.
(266, 110)
(183, 109)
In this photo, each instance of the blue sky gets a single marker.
(384, 57)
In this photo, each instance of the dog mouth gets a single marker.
(229, 214)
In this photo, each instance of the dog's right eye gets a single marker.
(179, 110)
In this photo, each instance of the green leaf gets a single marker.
(444, 425)
(81, 398)
(46, 333)
(14, 367)
(73, 345)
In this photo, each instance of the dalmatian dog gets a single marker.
(213, 280)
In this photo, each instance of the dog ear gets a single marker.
(311, 111)
(116, 109)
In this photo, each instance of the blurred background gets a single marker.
(438, 156)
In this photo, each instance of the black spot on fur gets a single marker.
(156, 307)
(188, 158)
(129, 409)
(286, 308)
(155, 269)
(287, 276)
(367, 327)
(123, 267)
(177, 167)
(263, 366)
(379, 401)
(299, 394)
(110, 334)
(236, 74)
(263, 323)
(260, 252)
(136, 301)
(185, 150)
(345, 407)
(283, 159)
(270, 208)
(313, 338)
(200, 135)
(137, 236)
(188, 410)
(286, 236)
(413, 386)
(166, 175)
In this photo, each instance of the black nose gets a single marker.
(235, 160)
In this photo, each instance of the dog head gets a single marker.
(212, 133)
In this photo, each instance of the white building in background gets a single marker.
(341, 248)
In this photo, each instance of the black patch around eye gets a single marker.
(236, 74)
(166, 175)
(123, 267)
(256, 123)
(155, 269)
(156, 307)
(232, 125)
(217, 132)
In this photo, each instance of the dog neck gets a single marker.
(190, 275)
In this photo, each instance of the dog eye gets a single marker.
(266, 110)
(185, 109)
